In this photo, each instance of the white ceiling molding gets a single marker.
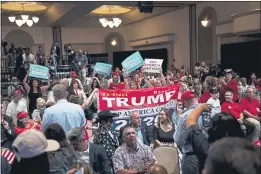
(152, 40)
(241, 24)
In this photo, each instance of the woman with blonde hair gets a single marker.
(164, 129)
(38, 112)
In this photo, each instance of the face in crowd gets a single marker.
(157, 83)
(81, 145)
(228, 76)
(164, 115)
(94, 83)
(25, 120)
(130, 136)
(115, 78)
(133, 85)
(35, 83)
(229, 96)
(135, 118)
(250, 93)
(75, 85)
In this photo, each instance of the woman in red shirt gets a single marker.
(24, 123)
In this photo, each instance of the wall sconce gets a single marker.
(113, 42)
(205, 22)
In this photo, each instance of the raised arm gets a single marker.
(162, 78)
(46, 87)
(89, 99)
(26, 86)
(192, 118)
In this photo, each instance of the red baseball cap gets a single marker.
(73, 74)
(22, 115)
(188, 95)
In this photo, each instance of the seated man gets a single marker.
(251, 110)
(144, 134)
(92, 154)
(229, 106)
(132, 156)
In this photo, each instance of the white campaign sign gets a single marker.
(152, 65)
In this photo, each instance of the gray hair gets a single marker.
(59, 92)
(126, 128)
(76, 135)
(64, 81)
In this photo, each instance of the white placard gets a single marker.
(152, 65)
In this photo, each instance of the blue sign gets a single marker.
(39, 71)
(132, 62)
(102, 68)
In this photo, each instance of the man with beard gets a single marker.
(132, 156)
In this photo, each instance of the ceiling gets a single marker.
(79, 14)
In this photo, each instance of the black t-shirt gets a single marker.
(199, 144)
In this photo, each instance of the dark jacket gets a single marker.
(99, 161)
(146, 133)
(5, 166)
(6, 138)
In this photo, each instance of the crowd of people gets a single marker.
(215, 124)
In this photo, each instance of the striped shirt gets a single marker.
(10, 156)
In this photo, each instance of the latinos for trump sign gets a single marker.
(132, 62)
(102, 68)
(39, 71)
(152, 65)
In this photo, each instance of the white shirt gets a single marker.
(30, 59)
(14, 108)
(216, 108)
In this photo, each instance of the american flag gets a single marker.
(10, 156)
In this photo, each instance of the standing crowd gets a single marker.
(215, 124)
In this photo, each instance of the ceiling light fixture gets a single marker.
(24, 18)
(115, 22)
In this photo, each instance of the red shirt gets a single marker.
(251, 107)
(118, 86)
(232, 86)
(232, 108)
(257, 143)
(205, 96)
(31, 124)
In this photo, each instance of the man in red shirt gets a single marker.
(251, 110)
(115, 84)
(229, 106)
(229, 84)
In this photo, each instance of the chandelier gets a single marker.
(115, 22)
(22, 19)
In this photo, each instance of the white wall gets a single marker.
(176, 22)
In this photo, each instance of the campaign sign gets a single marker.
(132, 62)
(102, 68)
(152, 65)
(119, 122)
(39, 71)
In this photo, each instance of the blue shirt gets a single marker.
(68, 115)
(180, 134)
(140, 137)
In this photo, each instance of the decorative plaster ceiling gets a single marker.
(23, 6)
(111, 10)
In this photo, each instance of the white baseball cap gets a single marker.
(32, 143)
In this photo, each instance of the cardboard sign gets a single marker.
(102, 68)
(132, 62)
(39, 71)
(152, 65)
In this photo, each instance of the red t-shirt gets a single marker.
(205, 96)
(232, 108)
(232, 86)
(118, 86)
(251, 107)
(31, 124)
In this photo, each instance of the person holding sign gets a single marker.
(34, 91)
